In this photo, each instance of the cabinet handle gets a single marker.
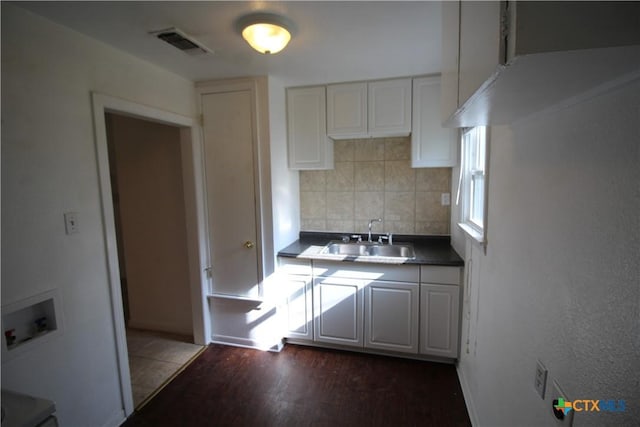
(248, 244)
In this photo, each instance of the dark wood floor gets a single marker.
(304, 386)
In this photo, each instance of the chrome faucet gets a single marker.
(371, 221)
(388, 237)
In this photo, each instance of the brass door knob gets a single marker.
(248, 244)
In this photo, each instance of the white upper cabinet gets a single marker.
(369, 109)
(505, 60)
(432, 145)
(347, 110)
(308, 145)
(390, 107)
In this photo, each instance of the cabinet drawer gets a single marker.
(442, 275)
(294, 266)
(367, 271)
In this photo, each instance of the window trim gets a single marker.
(474, 230)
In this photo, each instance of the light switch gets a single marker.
(71, 222)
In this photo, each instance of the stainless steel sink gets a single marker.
(354, 249)
(402, 250)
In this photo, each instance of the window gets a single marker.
(473, 183)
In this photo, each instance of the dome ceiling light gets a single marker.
(267, 33)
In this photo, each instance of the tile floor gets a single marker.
(154, 359)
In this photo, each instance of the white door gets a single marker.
(338, 307)
(391, 316)
(439, 320)
(298, 308)
(431, 144)
(347, 110)
(231, 192)
(307, 141)
(389, 112)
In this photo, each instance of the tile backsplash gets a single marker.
(373, 178)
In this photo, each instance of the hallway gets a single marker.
(155, 358)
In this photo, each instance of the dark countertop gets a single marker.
(430, 250)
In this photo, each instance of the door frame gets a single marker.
(198, 252)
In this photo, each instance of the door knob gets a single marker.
(248, 244)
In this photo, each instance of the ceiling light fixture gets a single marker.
(267, 33)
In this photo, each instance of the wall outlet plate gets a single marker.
(71, 222)
(540, 380)
(563, 418)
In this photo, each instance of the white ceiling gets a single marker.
(335, 41)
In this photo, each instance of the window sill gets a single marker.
(473, 233)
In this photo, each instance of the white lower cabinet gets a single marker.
(391, 316)
(338, 310)
(296, 306)
(405, 309)
(439, 320)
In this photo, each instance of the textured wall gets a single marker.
(373, 178)
(49, 167)
(561, 279)
(285, 192)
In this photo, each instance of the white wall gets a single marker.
(147, 164)
(560, 280)
(49, 167)
(284, 182)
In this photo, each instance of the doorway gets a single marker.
(139, 311)
(147, 190)
(149, 211)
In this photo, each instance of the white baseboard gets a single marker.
(466, 392)
(248, 343)
(116, 419)
(158, 326)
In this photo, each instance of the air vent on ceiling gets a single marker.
(182, 41)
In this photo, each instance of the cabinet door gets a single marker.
(298, 307)
(308, 144)
(347, 110)
(338, 311)
(439, 320)
(389, 104)
(391, 316)
(431, 144)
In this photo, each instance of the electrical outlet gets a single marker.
(561, 407)
(445, 199)
(540, 381)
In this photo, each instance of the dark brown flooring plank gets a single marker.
(306, 386)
